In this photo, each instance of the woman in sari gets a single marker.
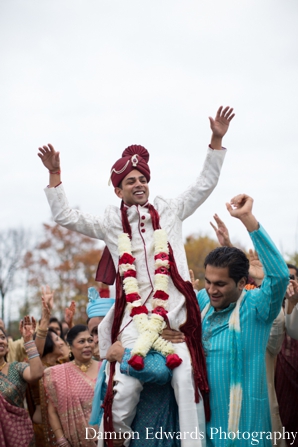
(15, 424)
(51, 349)
(70, 389)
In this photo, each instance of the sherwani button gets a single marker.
(143, 230)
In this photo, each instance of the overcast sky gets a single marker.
(93, 77)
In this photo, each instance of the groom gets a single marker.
(130, 176)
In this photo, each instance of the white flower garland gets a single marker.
(148, 328)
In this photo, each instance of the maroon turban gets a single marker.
(133, 157)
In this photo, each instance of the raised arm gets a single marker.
(47, 300)
(268, 299)
(196, 194)
(63, 214)
(222, 233)
(35, 369)
(51, 160)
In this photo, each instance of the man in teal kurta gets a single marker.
(236, 326)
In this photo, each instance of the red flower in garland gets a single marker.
(130, 273)
(137, 362)
(173, 360)
(131, 297)
(126, 258)
(138, 310)
(160, 294)
(162, 271)
(160, 311)
(162, 256)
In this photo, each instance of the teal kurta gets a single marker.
(257, 312)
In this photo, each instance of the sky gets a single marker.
(93, 77)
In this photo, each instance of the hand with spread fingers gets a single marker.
(49, 157)
(27, 328)
(219, 126)
(221, 231)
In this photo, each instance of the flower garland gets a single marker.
(148, 328)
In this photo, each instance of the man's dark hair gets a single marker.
(292, 266)
(230, 257)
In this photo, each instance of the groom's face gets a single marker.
(134, 189)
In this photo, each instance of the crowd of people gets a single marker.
(163, 363)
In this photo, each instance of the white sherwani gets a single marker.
(172, 212)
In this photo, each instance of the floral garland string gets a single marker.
(151, 327)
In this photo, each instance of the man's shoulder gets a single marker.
(111, 211)
(161, 203)
(203, 298)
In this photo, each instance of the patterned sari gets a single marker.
(15, 424)
(71, 392)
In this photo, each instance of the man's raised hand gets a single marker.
(49, 157)
(220, 124)
(241, 208)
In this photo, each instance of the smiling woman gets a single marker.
(70, 389)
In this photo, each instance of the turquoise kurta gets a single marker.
(257, 312)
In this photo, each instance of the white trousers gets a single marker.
(128, 389)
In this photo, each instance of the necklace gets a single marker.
(2, 366)
(84, 368)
